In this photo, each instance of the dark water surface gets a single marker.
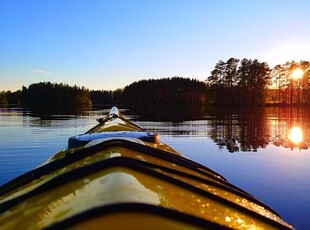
(265, 151)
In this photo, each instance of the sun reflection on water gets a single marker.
(296, 135)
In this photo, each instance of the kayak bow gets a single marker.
(118, 176)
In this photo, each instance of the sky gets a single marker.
(109, 44)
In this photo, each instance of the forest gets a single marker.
(174, 91)
(235, 83)
(250, 82)
(47, 94)
(167, 91)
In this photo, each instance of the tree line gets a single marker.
(236, 82)
(166, 91)
(8, 97)
(106, 97)
(233, 82)
(251, 82)
(286, 90)
(47, 94)
(169, 91)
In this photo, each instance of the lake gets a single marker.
(264, 151)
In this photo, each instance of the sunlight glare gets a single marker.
(286, 50)
(297, 73)
(296, 135)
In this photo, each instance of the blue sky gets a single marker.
(108, 44)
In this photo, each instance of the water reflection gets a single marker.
(250, 129)
(171, 113)
(59, 112)
(234, 129)
(296, 135)
(56, 117)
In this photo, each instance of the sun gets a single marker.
(297, 73)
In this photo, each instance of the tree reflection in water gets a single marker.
(257, 127)
(236, 129)
(239, 129)
(58, 112)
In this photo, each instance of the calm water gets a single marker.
(263, 150)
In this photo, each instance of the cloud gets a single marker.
(40, 71)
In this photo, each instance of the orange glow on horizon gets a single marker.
(297, 73)
(296, 135)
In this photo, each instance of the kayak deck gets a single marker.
(125, 181)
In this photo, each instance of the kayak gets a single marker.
(119, 176)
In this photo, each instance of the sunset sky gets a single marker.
(108, 44)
